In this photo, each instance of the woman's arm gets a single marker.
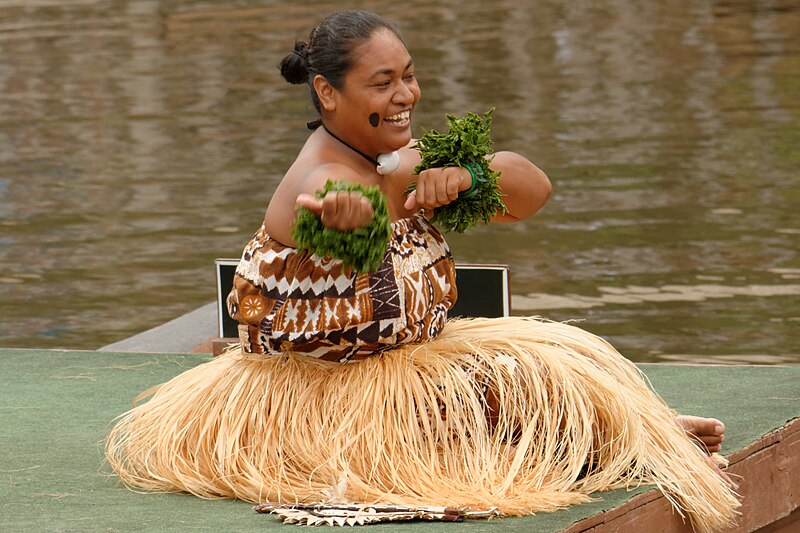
(524, 186)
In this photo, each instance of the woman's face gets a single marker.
(381, 81)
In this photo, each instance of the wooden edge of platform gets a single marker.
(769, 485)
(219, 344)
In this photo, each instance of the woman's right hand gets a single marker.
(339, 210)
(437, 187)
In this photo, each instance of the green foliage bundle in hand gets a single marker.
(467, 143)
(362, 248)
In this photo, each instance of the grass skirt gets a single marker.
(516, 413)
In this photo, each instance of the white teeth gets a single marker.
(399, 117)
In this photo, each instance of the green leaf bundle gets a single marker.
(363, 248)
(466, 143)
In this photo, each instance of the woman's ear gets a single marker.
(325, 92)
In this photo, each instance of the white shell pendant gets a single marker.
(388, 163)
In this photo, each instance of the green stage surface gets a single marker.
(56, 406)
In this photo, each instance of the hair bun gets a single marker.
(294, 67)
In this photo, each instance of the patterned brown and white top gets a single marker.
(290, 300)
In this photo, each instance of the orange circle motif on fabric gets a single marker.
(252, 306)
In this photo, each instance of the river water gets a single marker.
(139, 140)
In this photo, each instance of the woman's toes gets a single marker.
(700, 426)
(712, 439)
(708, 432)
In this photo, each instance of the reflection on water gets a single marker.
(638, 295)
(139, 140)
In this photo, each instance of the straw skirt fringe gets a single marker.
(517, 413)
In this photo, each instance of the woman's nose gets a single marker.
(404, 94)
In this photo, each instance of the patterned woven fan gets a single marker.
(352, 515)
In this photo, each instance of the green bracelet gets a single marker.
(476, 172)
(467, 144)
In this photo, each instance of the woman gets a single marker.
(516, 413)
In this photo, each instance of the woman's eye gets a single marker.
(384, 83)
(409, 77)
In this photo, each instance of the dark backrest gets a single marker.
(482, 292)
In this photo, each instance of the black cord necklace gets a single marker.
(353, 148)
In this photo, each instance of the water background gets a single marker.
(139, 140)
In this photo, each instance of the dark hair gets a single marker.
(329, 49)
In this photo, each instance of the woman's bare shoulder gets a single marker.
(281, 210)
(316, 178)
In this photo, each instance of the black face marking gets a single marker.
(374, 119)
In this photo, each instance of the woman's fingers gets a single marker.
(310, 202)
(365, 212)
(411, 201)
(453, 185)
(353, 210)
(335, 212)
(339, 210)
(425, 191)
(332, 204)
(437, 187)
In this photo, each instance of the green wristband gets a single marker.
(467, 144)
(476, 172)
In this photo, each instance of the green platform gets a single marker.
(55, 408)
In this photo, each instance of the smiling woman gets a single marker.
(517, 413)
(361, 80)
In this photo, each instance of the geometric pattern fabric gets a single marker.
(290, 300)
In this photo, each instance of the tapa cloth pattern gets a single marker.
(286, 299)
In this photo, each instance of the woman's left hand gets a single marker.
(339, 210)
(437, 187)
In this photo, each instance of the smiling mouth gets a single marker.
(400, 119)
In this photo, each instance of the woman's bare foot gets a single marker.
(709, 432)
